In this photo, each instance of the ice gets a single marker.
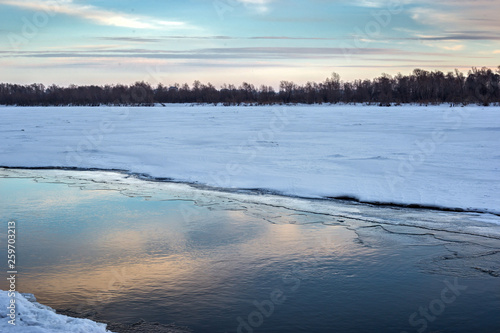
(488, 218)
(433, 156)
(275, 208)
(33, 317)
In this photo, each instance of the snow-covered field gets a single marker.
(32, 317)
(437, 155)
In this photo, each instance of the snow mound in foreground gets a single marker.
(33, 317)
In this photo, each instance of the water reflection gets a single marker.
(129, 258)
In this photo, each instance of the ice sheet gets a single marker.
(436, 156)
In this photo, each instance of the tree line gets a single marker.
(478, 86)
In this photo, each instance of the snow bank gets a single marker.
(32, 317)
(435, 156)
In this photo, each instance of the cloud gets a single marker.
(261, 5)
(454, 47)
(158, 39)
(454, 15)
(254, 53)
(459, 36)
(377, 3)
(369, 3)
(255, 2)
(454, 25)
(292, 38)
(94, 14)
(131, 39)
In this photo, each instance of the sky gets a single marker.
(233, 41)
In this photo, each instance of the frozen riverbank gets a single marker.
(431, 156)
(30, 316)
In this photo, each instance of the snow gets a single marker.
(437, 155)
(33, 317)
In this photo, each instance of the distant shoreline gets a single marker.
(478, 86)
(244, 105)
